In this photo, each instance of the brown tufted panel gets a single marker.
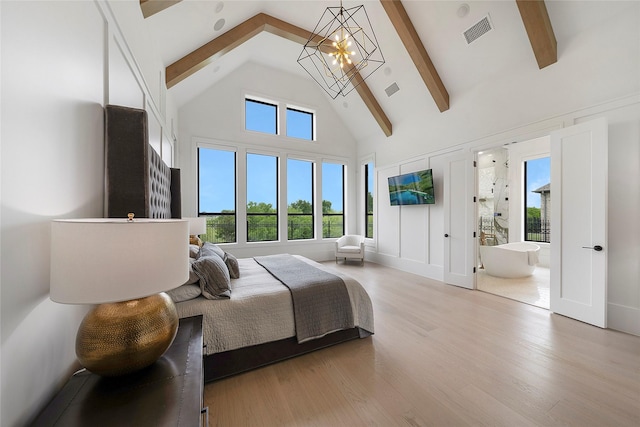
(159, 186)
(137, 180)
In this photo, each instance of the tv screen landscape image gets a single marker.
(415, 188)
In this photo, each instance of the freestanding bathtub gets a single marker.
(510, 260)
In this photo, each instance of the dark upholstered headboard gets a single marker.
(137, 179)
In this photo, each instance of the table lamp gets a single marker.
(124, 266)
(197, 226)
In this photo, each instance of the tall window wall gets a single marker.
(259, 189)
(263, 181)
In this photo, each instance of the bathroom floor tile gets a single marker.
(532, 290)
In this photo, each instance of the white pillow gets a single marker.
(184, 293)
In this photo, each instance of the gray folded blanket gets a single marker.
(321, 302)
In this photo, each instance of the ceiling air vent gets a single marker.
(478, 29)
(393, 88)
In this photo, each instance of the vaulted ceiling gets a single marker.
(423, 43)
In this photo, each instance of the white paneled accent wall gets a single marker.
(62, 61)
(414, 220)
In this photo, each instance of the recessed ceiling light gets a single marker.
(216, 68)
(219, 24)
(387, 71)
(345, 104)
(219, 7)
(463, 10)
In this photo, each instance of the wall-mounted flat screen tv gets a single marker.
(415, 188)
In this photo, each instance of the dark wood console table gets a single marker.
(168, 393)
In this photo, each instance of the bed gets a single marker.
(254, 321)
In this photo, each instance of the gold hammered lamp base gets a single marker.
(123, 337)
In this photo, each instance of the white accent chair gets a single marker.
(350, 246)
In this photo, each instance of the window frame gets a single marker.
(366, 165)
(343, 166)
(235, 189)
(545, 229)
(267, 102)
(278, 195)
(313, 165)
(302, 110)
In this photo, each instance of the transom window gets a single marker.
(300, 124)
(261, 116)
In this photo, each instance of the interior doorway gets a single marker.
(513, 187)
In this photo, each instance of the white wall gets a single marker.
(217, 116)
(61, 63)
(596, 75)
(623, 268)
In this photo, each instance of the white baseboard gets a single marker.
(623, 318)
(430, 271)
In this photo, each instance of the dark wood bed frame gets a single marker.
(137, 180)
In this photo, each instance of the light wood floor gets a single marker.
(444, 356)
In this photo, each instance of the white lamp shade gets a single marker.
(95, 261)
(197, 225)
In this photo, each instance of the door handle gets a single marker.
(446, 235)
(596, 248)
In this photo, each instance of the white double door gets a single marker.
(578, 217)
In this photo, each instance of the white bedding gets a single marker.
(260, 309)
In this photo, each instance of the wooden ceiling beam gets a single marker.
(151, 7)
(411, 40)
(205, 54)
(541, 36)
(199, 58)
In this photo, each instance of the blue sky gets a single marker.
(538, 174)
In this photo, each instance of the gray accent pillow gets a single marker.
(184, 293)
(215, 282)
(193, 277)
(232, 264)
(209, 248)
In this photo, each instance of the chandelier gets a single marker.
(342, 50)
